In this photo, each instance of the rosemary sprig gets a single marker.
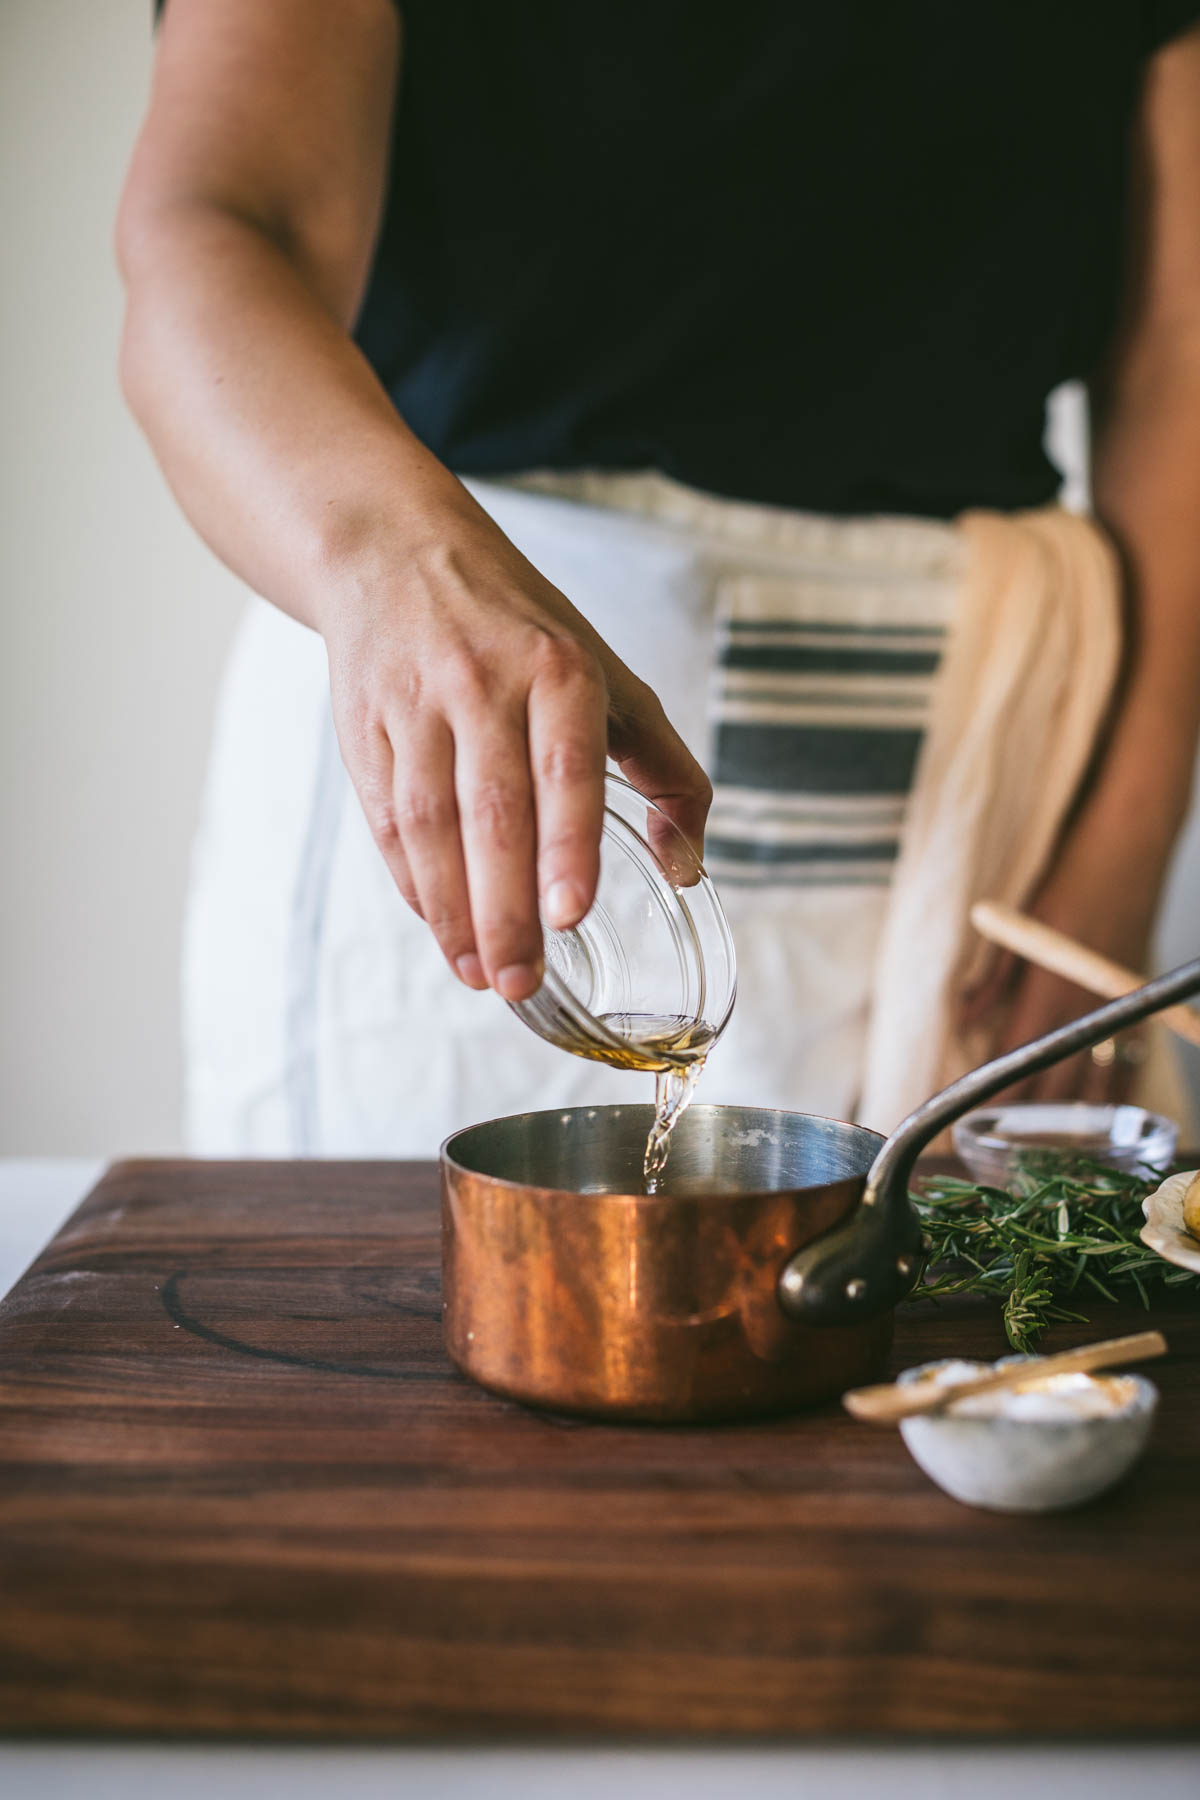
(1066, 1228)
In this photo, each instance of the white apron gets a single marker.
(795, 655)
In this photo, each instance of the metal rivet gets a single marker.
(856, 1289)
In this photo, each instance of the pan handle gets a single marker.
(871, 1260)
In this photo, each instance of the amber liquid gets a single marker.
(674, 1049)
(670, 1047)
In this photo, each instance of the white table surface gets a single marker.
(35, 1197)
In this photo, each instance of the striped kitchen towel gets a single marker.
(821, 691)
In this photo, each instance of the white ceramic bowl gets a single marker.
(1030, 1464)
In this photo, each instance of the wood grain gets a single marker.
(243, 1492)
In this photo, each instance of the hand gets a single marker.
(1094, 895)
(474, 707)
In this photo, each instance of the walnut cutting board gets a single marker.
(242, 1492)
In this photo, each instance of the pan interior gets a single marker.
(714, 1150)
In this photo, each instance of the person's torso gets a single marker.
(831, 257)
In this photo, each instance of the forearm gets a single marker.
(1104, 883)
(473, 705)
(272, 430)
(1147, 493)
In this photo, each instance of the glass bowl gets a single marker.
(995, 1141)
(647, 979)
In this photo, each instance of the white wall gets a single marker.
(115, 620)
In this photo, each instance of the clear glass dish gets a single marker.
(994, 1141)
(647, 980)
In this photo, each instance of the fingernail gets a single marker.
(470, 970)
(564, 904)
(518, 981)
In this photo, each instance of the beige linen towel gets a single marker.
(1023, 691)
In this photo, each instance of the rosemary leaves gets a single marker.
(1066, 1229)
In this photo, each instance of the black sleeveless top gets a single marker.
(825, 256)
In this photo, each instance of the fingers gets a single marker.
(1078, 1078)
(426, 813)
(478, 807)
(567, 745)
(456, 828)
(654, 758)
(484, 788)
(369, 761)
(1039, 1003)
(985, 1001)
(1100, 1079)
(496, 817)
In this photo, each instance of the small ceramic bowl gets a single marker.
(1035, 1457)
(994, 1140)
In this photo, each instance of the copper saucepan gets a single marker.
(762, 1276)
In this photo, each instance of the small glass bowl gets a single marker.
(647, 980)
(995, 1141)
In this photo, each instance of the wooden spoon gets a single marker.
(1065, 956)
(888, 1404)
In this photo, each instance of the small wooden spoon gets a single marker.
(1066, 956)
(888, 1404)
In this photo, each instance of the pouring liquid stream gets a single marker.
(670, 1046)
(674, 1049)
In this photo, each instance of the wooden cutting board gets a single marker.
(242, 1491)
